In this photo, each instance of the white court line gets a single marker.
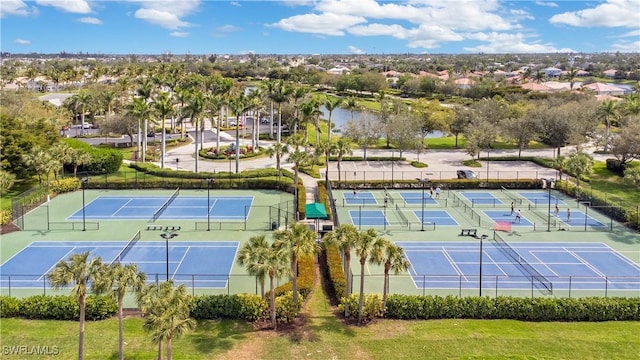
(180, 262)
(56, 263)
(543, 263)
(453, 263)
(586, 263)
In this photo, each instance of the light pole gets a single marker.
(166, 237)
(423, 182)
(548, 181)
(83, 181)
(209, 182)
(487, 167)
(480, 277)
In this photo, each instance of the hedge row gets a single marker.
(323, 198)
(306, 277)
(337, 278)
(515, 308)
(59, 307)
(241, 307)
(449, 184)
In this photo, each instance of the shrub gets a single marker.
(286, 309)
(64, 185)
(337, 278)
(418, 164)
(372, 307)
(62, 307)
(9, 307)
(241, 306)
(616, 166)
(306, 276)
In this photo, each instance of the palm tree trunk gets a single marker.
(120, 330)
(139, 142)
(197, 154)
(385, 287)
(294, 276)
(272, 301)
(361, 300)
(339, 170)
(237, 145)
(169, 352)
(164, 142)
(160, 350)
(144, 141)
(82, 304)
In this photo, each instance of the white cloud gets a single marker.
(72, 6)
(166, 14)
(546, 3)
(510, 43)
(228, 28)
(631, 33)
(162, 18)
(521, 14)
(324, 24)
(355, 50)
(22, 42)
(179, 34)
(13, 7)
(90, 20)
(624, 46)
(613, 13)
(234, 3)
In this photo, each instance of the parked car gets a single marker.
(264, 120)
(466, 174)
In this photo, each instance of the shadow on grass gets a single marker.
(218, 335)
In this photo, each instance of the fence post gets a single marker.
(570, 278)
(496, 285)
(9, 285)
(44, 285)
(193, 285)
(606, 286)
(460, 286)
(424, 284)
(532, 287)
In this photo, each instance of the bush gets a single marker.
(418, 164)
(306, 276)
(64, 185)
(515, 308)
(9, 307)
(62, 307)
(337, 278)
(616, 166)
(371, 309)
(241, 306)
(286, 309)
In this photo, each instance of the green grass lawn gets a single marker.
(324, 336)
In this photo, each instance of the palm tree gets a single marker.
(141, 110)
(194, 109)
(571, 77)
(345, 237)
(62, 151)
(579, 164)
(540, 76)
(367, 244)
(326, 148)
(120, 280)
(270, 86)
(238, 106)
(163, 106)
(331, 103)
(298, 240)
(352, 105)
(278, 150)
(79, 270)
(253, 255)
(280, 95)
(275, 266)
(608, 111)
(392, 256)
(79, 103)
(79, 157)
(166, 311)
(214, 105)
(343, 147)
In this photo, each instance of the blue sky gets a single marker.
(319, 26)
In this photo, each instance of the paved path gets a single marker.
(442, 164)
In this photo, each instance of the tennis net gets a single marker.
(166, 204)
(510, 194)
(402, 216)
(524, 265)
(388, 196)
(126, 249)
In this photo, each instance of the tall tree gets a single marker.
(166, 311)
(280, 95)
(343, 147)
(331, 103)
(194, 110)
(393, 259)
(368, 244)
(163, 106)
(253, 255)
(608, 112)
(118, 280)
(141, 110)
(579, 164)
(278, 150)
(298, 240)
(78, 271)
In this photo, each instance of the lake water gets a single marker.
(341, 116)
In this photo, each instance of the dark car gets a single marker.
(466, 174)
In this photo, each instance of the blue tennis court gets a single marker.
(368, 217)
(415, 198)
(541, 198)
(183, 207)
(359, 198)
(481, 198)
(578, 218)
(581, 266)
(438, 217)
(506, 216)
(28, 268)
